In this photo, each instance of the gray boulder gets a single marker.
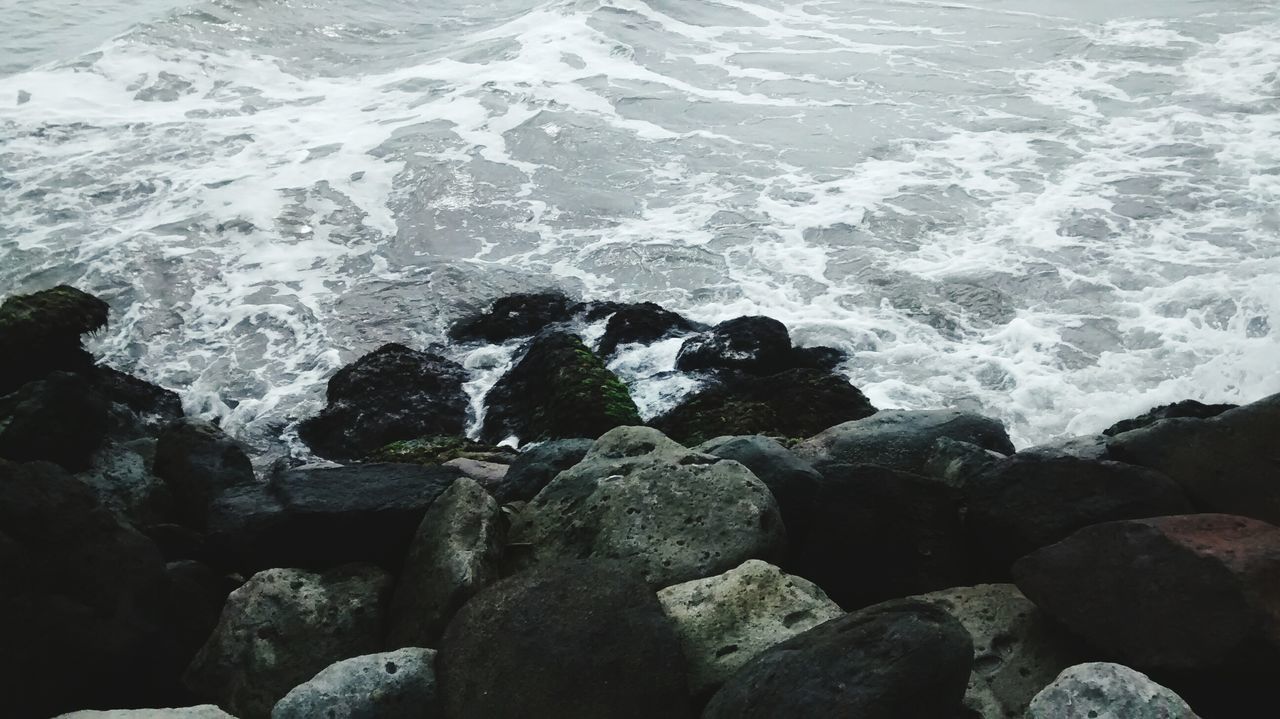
(901, 439)
(281, 628)
(455, 552)
(793, 482)
(953, 462)
(1100, 690)
(391, 685)
(119, 474)
(725, 621)
(204, 711)
(1016, 651)
(537, 466)
(198, 461)
(648, 504)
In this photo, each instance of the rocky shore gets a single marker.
(772, 546)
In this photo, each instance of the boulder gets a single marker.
(393, 393)
(390, 685)
(901, 439)
(83, 608)
(643, 322)
(59, 419)
(793, 483)
(649, 505)
(1017, 651)
(1185, 408)
(1225, 464)
(954, 462)
(518, 315)
(197, 593)
(725, 621)
(120, 475)
(792, 403)
(878, 533)
(1090, 446)
(41, 333)
(1191, 592)
(281, 628)
(198, 461)
(455, 552)
(821, 358)
(489, 475)
(439, 450)
(204, 711)
(139, 409)
(557, 389)
(1100, 690)
(1027, 502)
(577, 640)
(755, 345)
(318, 518)
(898, 660)
(537, 466)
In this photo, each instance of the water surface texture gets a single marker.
(1056, 213)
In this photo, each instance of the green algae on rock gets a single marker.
(439, 449)
(43, 331)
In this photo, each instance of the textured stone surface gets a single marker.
(644, 322)
(120, 476)
(41, 333)
(901, 439)
(537, 466)
(648, 504)
(1100, 690)
(576, 640)
(390, 685)
(198, 461)
(281, 628)
(794, 483)
(203, 711)
(726, 620)
(454, 553)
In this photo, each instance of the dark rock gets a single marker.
(120, 475)
(140, 408)
(898, 660)
(282, 627)
(793, 403)
(455, 552)
(901, 439)
(756, 345)
(83, 610)
(197, 593)
(1024, 503)
(41, 334)
(59, 419)
(643, 322)
(565, 641)
(878, 533)
(1089, 446)
(822, 358)
(1192, 592)
(1228, 463)
(318, 518)
(518, 315)
(391, 394)
(1185, 408)
(197, 461)
(794, 483)
(537, 466)
(438, 450)
(954, 462)
(558, 389)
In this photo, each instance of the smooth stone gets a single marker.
(1101, 690)
(390, 685)
(901, 439)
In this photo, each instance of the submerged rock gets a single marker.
(518, 315)
(41, 333)
(59, 419)
(755, 345)
(793, 403)
(901, 439)
(578, 640)
(390, 685)
(391, 394)
(1100, 690)
(197, 462)
(558, 389)
(649, 505)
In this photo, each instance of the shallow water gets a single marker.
(1059, 214)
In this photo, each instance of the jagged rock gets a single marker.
(643, 322)
(439, 450)
(901, 439)
(1100, 690)
(198, 461)
(898, 660)
(41, 333)
(725, 621)
(518, 315)
(393, 393)
(1185, 408)
(955, 462)
(537, 466)
(756, 345)
(391, 685)
(1224, 464)
(792, 403)
(455, 552)
(877, 533)
(1191, 592)
(648, 504)
(558, 389)
(281, 628)
(578, 640)
(82, 604)
(318, 518)
(1016, 650)
(119, 475)
(58, 419)
(204, 711)
(793, 483)
(1027, 502)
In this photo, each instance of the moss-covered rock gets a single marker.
(41, 333)
(440, 449)
(558, 389)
